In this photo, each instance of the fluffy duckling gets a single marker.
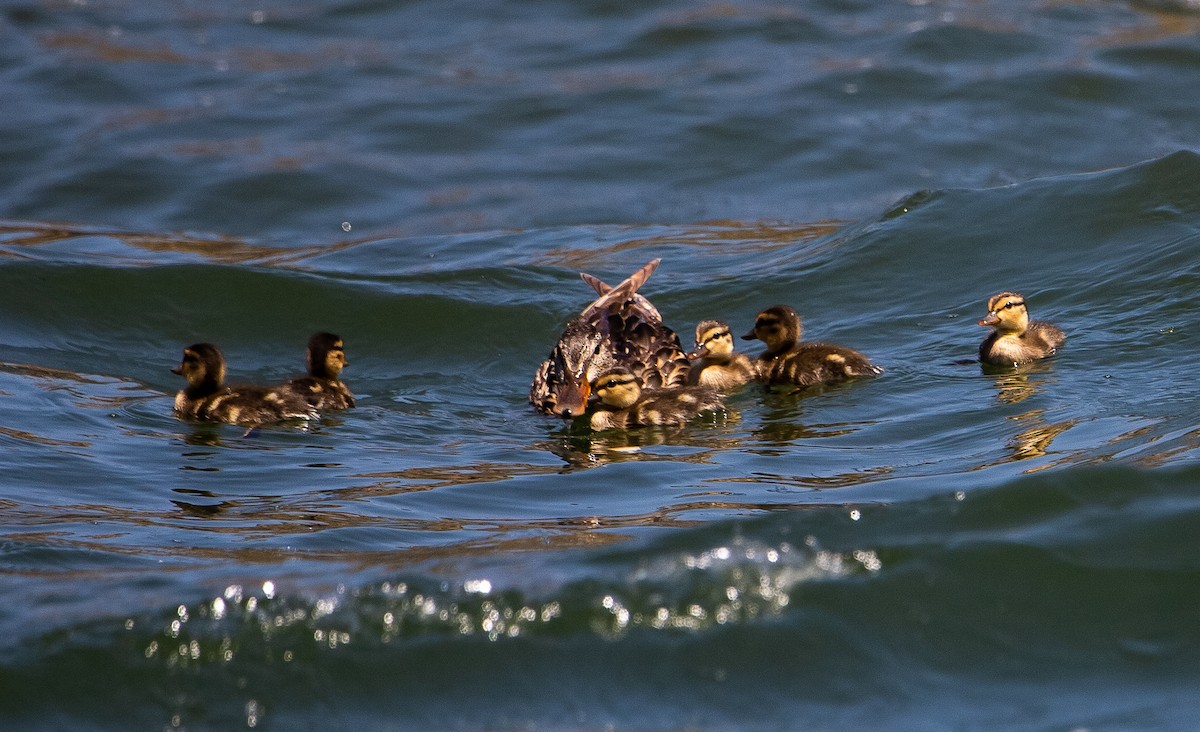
(720, 368)
(787, 360)
(207, 399)
(624, 404)
(323, 388)
(620, 328)
(1015, 339)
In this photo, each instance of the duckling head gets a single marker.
(203, 366)
(714, 342)
(778, 326)
(326, 356)
(568, 373)
(617, 387)
(1007, 314)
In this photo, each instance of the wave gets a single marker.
(1079, 573)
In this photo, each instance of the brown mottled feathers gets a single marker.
(322, 393)
(622, 403)
(809, 364)
(619, 328)
(207, 399)
(789, 360)
(322, 387)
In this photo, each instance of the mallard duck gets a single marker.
(207, 399)
(787, 360)
(621, 402)
(1015, 339)
(619, 328)
(720, 367)
(322, 388)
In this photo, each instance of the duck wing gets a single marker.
(1051, 336)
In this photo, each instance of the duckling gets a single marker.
(624, 404)
(719, 368)
(1015, 339)
(207, 399)
(323, 388)
(619, 328)
(789, 361)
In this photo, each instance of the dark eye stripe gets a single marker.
(1014, 304)
(615, 382)
(715, 336)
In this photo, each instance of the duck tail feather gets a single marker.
(625, 291)
(600, 286)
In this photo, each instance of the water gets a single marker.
(943, 547)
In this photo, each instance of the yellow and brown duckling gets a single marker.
(719, 366)
(1015, 339)
(207, 399)
(789, 360)
(323, 388)
(622, 403)
(621, 328)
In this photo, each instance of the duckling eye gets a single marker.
(715, 336)
(1013, 304)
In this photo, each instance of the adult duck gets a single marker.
(620, 328)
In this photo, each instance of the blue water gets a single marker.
(944, 547)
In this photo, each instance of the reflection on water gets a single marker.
(39, 439)
(85, 391)
(233, 437)
(580, 448)
(410, 480)
(735, 583)
(1035, 441)
(775, 435)
(16, 238)
(1016, 384)
(255, 520)
(1177, 445)
(1170, 18)
(815, 482)
(728, 237)
(128, 47)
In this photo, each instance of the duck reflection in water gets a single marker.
(1035, 440)
(580, 447)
